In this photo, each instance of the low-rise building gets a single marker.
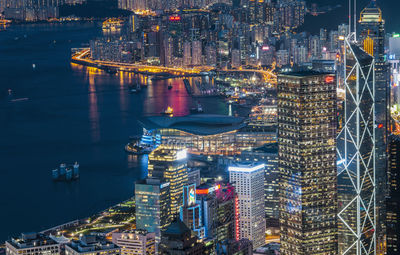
(32, 243)
(138, 242)
(90, 244)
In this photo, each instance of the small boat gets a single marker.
(135, 148)
(135, 88)
(198, 109)
(169, 111)
(33, 66)
(170, 86)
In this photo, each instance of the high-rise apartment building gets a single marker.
(248, 180)
(307, 163)
(169, 164)
(152, 198)
(137, 242)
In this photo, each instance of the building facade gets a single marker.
(307, 163)
(152, 198)
(32, 244)
(169, 164)
(248, 180)
(138, 242)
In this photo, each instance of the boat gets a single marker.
(66, 172)
(137, 148)
(198, 109)
(170, 86)
(135, 88)
(169, 111)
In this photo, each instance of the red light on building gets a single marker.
(201, 191)
(380, 125)
(237, 218)
(329, 79)
(265, 48)
(174, 18)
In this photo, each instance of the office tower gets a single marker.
(91, 244)
(138, 242)
(190, 211)
(187, 54)
(307, 162)
(179, 239)
(372, 39)
(355, 153)
(32, 244)
(393, 196)
(219, 211)
(248, 180)
(169, 164)
(152, 198)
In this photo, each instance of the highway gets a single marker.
(83, 57)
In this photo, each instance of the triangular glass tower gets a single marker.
(356, 154)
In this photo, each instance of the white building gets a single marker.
(196, 53)
(248, 180)
(89, 245)
(32, 244)
(138, 242)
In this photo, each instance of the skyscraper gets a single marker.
(393, 198)
(169, 164)
(307, 163)
(372, 39)
(356, 153)
(153, 203)
(190, 211)
(248, 180)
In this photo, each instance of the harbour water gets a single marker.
(69, 113)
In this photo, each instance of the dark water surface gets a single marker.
(71, 114)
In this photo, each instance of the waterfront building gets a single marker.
(137, 242)
(32, 244)
(248, 180)
(190, 211)
(153, 202)
(355, 153)
(372, 39)
(393, 196)
(169, 164)
(179, 239)
(307, 163)
(208, 135)
(90, 244)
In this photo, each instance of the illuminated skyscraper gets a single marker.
(152, 198)
(307, 163)
(190, 211)
(356, 153)
(372, 39)
(248, 180)
(393, 198)
(169, 164)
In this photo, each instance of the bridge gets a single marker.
(82, 56)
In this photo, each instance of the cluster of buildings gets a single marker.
(217, 34)
(319, 168)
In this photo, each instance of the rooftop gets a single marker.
(197, 124)
(28, 240)
(88, 243)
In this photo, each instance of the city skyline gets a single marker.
(225, 127)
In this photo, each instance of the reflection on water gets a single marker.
(156, 95)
